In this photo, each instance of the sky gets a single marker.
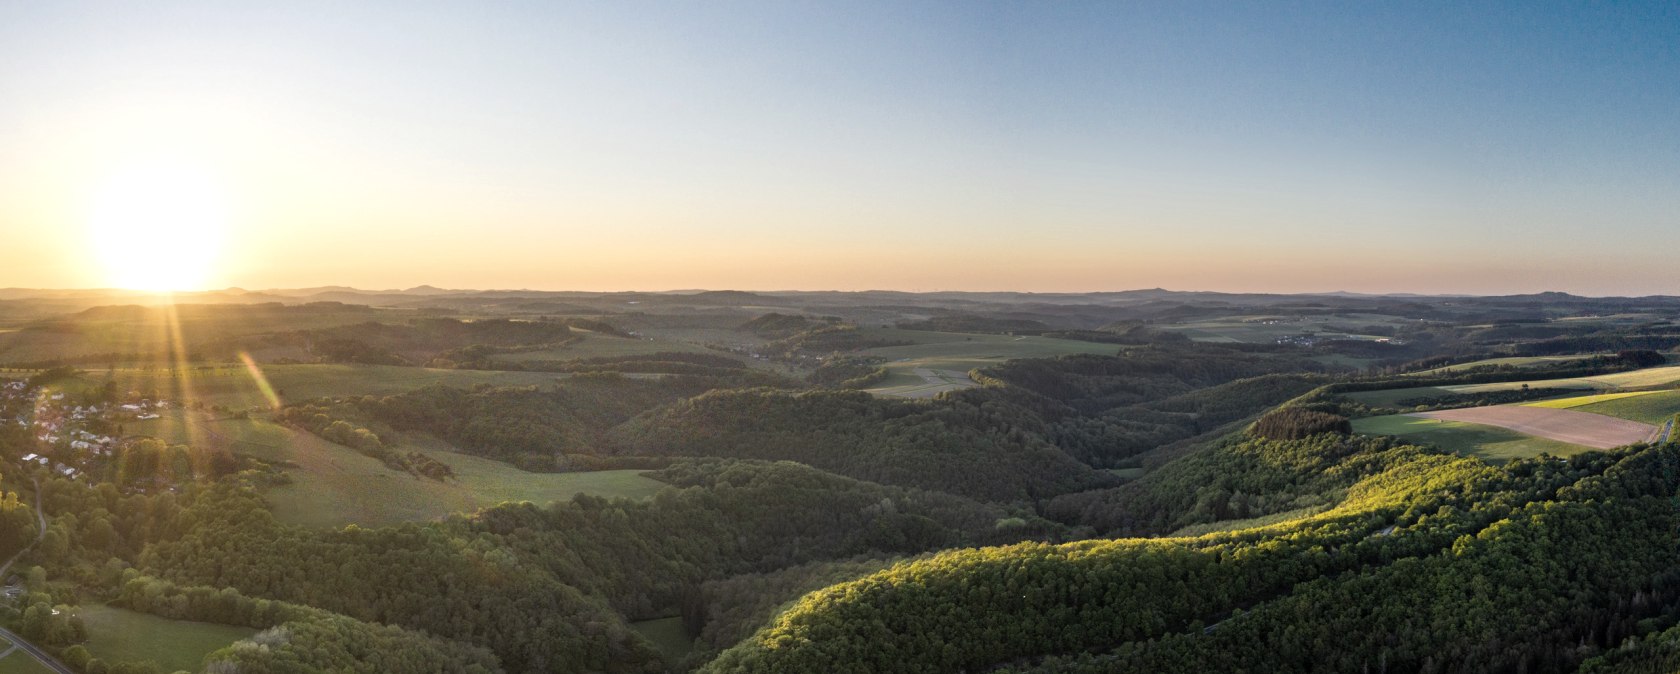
(1435, 147)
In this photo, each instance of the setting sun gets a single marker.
(158, 225)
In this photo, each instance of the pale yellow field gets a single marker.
(1655, 376)
(1577, 401)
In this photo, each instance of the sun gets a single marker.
(158, 225)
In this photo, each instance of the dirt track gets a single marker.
(1581, 428)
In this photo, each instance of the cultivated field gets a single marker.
(1563, 425)
(1649, 377)
(1486, 442)
(940, 361)
(1581, 401)
(116, 635)
(1651, 407)
(1655, 376)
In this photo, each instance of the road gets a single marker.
(43, 657)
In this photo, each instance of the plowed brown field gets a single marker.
(1581, 428)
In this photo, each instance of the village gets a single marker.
(72, 437)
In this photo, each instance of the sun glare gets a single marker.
(158, 226)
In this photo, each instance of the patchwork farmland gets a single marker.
(1563, 425)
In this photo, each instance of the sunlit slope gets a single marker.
(332, 485)
(1380, 556)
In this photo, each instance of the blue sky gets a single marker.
(1418, 146)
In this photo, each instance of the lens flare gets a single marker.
(261, 380)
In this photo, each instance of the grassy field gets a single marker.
(668, 634)
(942, 352)
(1392, 397)
(1651, 408)
(595, 345)
(333, 485)
(185, 427)
(1486, 442)
(116, 634)
(1513, 361)
(19, 662)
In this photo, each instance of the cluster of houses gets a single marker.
(1308, 340)
(67, 471)
(63, 429)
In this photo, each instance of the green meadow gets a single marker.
(668, 635)
(121, 635)
(333, 485)
(1653, 407)
(1392, 397)
(19, 662)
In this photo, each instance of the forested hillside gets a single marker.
(755, 503)
(1400, 572)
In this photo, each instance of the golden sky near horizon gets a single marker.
(938, 147)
